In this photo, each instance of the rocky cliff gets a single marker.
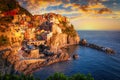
(54, 29)
(60, 31)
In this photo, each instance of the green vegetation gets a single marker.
(70, 31)
(81, 77)
(56, 76)
(4, 40)
(17, 77)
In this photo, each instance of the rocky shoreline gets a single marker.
(35, 46)
(27, 65)
(108, 50)
(44, 57)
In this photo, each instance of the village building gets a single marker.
(13, 34)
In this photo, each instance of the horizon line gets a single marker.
(95, 30)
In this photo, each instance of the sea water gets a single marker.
(102, 66)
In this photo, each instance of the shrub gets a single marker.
(0, 76)
(81, 77)
(17, 77)
(60, 76)
(70, 31)
(57, 76)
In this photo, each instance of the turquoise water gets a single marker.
(102, 66)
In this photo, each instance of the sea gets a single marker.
(100, 65)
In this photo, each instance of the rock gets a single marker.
(58, 58)
(75, 56)
(73, 39)
(108, 50)
(42, 55)
(61, 40)
(83, 42)
(13, 58)
(58, 30)
(54, 29)
(48, 52)
(58, 41)
(27, 65)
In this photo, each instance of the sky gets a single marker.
(83, 14)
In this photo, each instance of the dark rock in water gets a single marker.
(108, 50)
(75, 56)
(104, 49)
(83, 42)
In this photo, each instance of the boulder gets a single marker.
(109, 50)
(75, 56)
(83, 42)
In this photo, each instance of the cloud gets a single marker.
(96, 1)
(40, 6)
(104, 11)
(78, 7)
(62, 12)
(91, 7)
(116, 15)
(93, 1)
(36, 4)
(115, 4)
(67, 5)
(96, 6)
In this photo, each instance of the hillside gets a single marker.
(10, 8)
(8, 5)
(56, 30)
(53, 28)
(41, 39)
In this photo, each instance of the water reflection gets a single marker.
(71, 49)
(102, 66)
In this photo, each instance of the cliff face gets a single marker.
(55, 29)
(62, 40)
(60, 31)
